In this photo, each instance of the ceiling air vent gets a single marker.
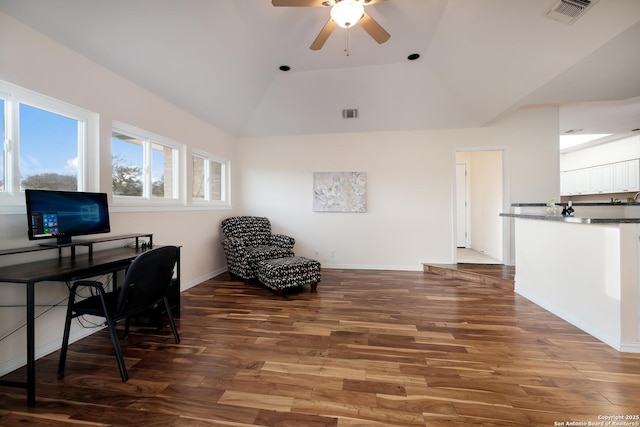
(350, 113)
(568, 11)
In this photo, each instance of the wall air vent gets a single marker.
(350, 113)
(568, 11)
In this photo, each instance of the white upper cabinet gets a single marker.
(601, 179)
(626, 176)
(620, 177)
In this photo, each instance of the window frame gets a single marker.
(225, 202)
(88, 173)
(179, 169)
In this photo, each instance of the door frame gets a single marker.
(507, 256)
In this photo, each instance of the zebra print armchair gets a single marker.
(247, 240)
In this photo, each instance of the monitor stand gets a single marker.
(63, 241)
(60, 242)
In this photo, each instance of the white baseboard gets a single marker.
(373, 267)
(191, 283)
(630, 347)
(592, 330)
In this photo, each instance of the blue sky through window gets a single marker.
(48, 143)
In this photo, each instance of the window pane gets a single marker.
(127, 165)
(3, 136)
(208, 179)
(162, 161)
(215, 181)
(198, 178)
(48, 150)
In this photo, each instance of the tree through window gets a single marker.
(143, 165)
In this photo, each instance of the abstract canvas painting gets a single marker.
(340, 191)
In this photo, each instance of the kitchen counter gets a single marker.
(517, 205)
(574, 219)
(584, 269)
(585, 212)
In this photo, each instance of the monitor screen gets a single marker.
(62, 214)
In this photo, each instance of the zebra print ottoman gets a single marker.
(289, 272)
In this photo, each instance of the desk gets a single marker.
(64, 269)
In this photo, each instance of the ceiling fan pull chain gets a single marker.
(346, 42)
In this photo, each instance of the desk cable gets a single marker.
(51, 307)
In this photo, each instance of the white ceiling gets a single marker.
(480, 59)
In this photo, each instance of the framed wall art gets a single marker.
(340, 192)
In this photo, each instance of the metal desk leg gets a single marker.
(31, 358)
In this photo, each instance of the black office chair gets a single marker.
(146, 284)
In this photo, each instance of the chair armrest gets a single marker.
(89, 283)
(233, 244)
(282, 241)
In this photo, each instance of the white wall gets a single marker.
(35, 62)
(611, 152)
(411, 183)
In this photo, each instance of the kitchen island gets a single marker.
(583, 269)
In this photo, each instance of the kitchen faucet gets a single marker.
(635, 198)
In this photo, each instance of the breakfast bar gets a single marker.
(582, 268)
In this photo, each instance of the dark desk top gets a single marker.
(66, 268)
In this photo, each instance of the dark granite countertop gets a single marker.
(524, 205)
(574, 219)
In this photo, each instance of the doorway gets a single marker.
(479, 201)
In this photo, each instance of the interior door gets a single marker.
(461, 204)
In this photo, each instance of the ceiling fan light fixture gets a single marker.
(347, 13)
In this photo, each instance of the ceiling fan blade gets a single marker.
(323, 35)
(374, 29)
(300, 3)
(367, 2)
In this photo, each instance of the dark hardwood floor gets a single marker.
(369, 348)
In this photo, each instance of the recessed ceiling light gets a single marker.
(413, 57)
(284, 68)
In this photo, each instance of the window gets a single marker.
(210, 179)
(144, 166)
(48, 144)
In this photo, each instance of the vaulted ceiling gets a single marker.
(479, 60)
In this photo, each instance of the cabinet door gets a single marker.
(633, 175)
(564, 184)
(569, 183)
(601, 179)
(607, 179)
(626, 176)
(595, 180)
(581, 181)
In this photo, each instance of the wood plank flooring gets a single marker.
(369, 348)
(498, 275)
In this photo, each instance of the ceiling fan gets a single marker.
(344, 13)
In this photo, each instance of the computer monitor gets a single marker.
(63, 214)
